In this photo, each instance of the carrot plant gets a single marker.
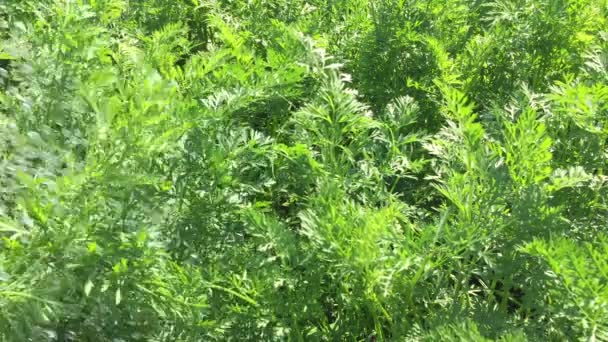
(352, 170)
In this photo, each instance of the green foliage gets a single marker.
(360, 170)
(580, 270)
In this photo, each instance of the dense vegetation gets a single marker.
(358, 170)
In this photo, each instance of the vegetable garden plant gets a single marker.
(303, 170)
